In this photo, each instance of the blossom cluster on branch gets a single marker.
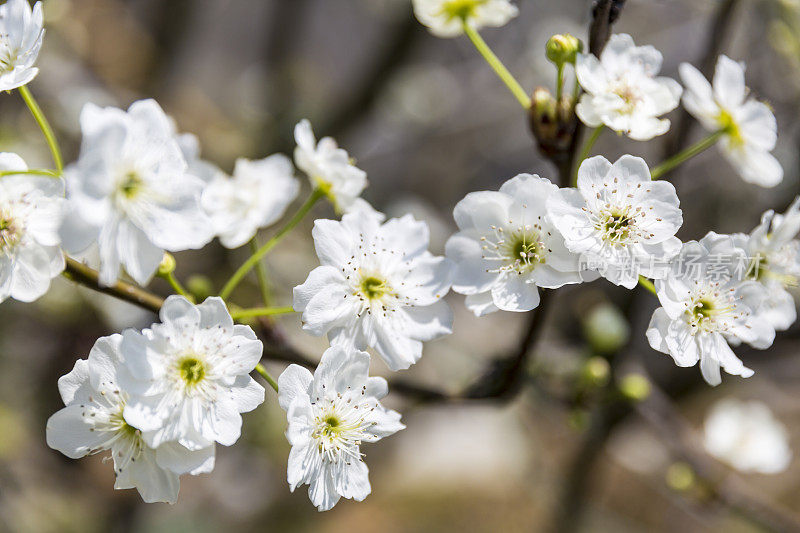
(161, 399)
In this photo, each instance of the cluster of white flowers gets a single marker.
(159, 400)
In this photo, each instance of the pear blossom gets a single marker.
(507, 246)
(622, 223)
(330, 170)
(30, 213)
(188, 376)
(747, 436)
(21, 34)
(377, 286)
(445, 18)
(130, 193)
(774, 253)
(330, 414)
(705, 305)
(93, 421)
(750, 131)
(256, 196)
(623, 90)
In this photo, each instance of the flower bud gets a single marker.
(544, 105)
(605, 329)
(200, 287)
(596, 371)
(563, 48)
(167, 265)
(680, 477)
(635, 387)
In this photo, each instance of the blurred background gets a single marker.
(429, 122)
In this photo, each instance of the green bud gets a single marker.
(680, 477)
(605, 329)
(200, 286)
(635, 387)
(544, 105)
(563, 48)
(596, 371)
(167, 265)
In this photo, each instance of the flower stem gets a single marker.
(83, 275)
(685, 155)
(261, 271)
(36, 111)
(176, 285)
(264, 374)
(560, 82)
(33, 171)
(587, 149)
(248, 265)
(647, 284)
(494, 62)
(261, 311)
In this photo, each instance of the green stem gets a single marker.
(685, 155)
(248, 265)
(176, 286)
(647, 284)
(494, 62)
(560, 83)
(587, 148)
(33, 171)
(261, 311)
(264, 374)
(36, 111)
(261, 271)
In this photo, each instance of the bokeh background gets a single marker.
(429, 122)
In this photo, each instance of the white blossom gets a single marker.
(30, 213)
(189, 376)
(507, 246)
(256, 196)
(330, 414)
(622, 223)
(129, 192)
(189, 145)
(623, 90)
(330, 170)
(377, 286)
(93, 421)
(749, 126)
(21, 34)
(774, 254)
(747, 436)
(704, 306)
(445, 18)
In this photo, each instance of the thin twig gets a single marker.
(82, 274)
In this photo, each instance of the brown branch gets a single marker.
(83, 275)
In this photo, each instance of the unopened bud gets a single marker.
(563, 48)
(635, 387)
(596, 371)
(680, 477)
(606, 329)
(544, 105)
(167, 265)
(200, 287)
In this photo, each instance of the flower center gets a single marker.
(519, 250)
(711, 310)
(731, 128)
(131, 184)
(618, 226)
(339, 429)
(460, 9)
(373, 287)
(192, 370)
(10, 232)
